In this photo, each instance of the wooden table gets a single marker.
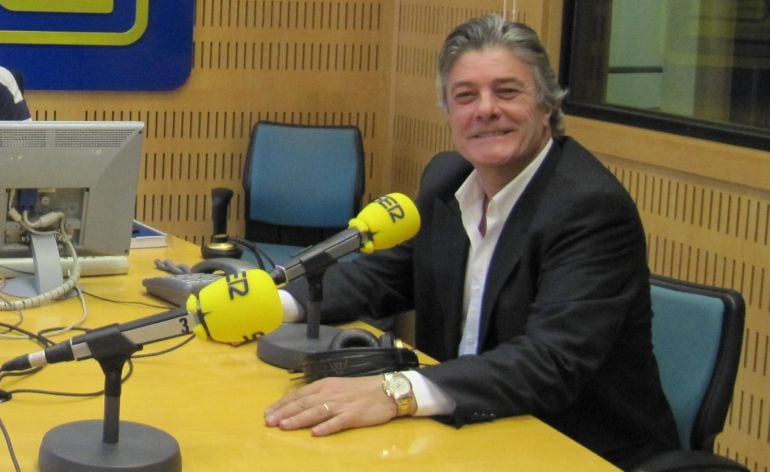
(211, 397)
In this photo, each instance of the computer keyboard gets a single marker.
(89, 265)
(178, 288)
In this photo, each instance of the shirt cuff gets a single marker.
(431, 399)
(293, 312)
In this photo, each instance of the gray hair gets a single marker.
(520, 40)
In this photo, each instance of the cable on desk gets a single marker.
(38, 338)
(64, 330)
(151, 305)
(57, 393)
(8, 443)
(19, 313)
(127, 302)
(258, 253)
(42, 338)
(7, 395)
(164, 351)
(43, 341)
(40, 226)
(77, 324)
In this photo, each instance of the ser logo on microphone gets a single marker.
(237, 285)
(393, 207)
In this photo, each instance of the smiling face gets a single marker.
(495, 120)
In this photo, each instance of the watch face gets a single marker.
(399, 384)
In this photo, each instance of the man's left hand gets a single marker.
(333, 404)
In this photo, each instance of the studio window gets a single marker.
(695, 67)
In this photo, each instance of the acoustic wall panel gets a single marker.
(296, 61)
(419, 123)
(716, 233)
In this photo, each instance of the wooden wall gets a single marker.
(296, 61)
(705, 206)
(706, 211)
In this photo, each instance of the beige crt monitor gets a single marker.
(87, 170)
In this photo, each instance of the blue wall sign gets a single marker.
(98, 44)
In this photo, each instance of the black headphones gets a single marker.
(357, 352)
(351, 338)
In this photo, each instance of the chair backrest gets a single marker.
(696, 333)
(300, 178)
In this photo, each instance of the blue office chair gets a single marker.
(302, 184)
(696, 332)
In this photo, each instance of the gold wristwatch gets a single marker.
(398, 387)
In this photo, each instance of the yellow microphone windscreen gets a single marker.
(389, 220)
(238, 307)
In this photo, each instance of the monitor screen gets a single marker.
(85, 172)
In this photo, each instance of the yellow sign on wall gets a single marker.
(98, 44)
(92, 38)
(59, 6)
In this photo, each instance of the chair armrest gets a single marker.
(684, 460)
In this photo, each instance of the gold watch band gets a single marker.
(398, 387)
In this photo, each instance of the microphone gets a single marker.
(242, 306)
(384, 223)
(236, 308)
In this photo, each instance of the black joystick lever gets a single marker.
(220, 245)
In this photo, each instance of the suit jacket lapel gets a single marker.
(513, 238)
(451, 245)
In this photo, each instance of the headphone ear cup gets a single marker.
(387, 340)
(349, 338)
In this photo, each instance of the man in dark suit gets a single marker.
(528, 276)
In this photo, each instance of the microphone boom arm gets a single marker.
(317, 258)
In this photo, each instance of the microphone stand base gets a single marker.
(287, 346)
(78, 446)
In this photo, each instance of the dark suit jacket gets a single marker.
(565, 331)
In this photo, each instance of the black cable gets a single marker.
(43, 341)
(255, 250)
(165, 351)
(38, 338)
(8, 330)
(57, 393)
(129, 302)
(42, 333)
(8, 443)
(126, 302)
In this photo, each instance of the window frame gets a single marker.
(740, 135)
